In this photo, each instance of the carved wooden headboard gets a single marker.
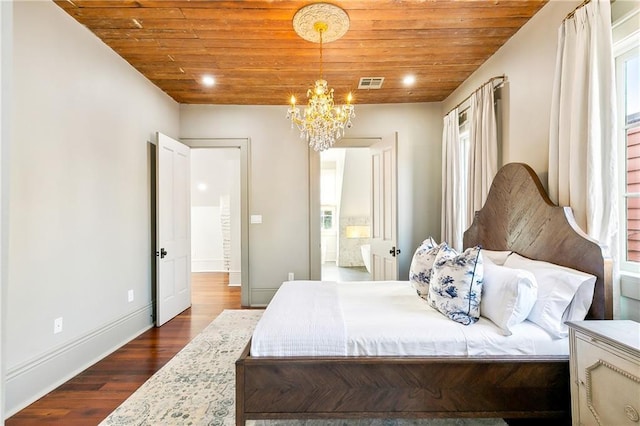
(519, 216)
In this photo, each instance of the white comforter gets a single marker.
(380, 318)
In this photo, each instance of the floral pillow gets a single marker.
(421, 264)
(456, 284)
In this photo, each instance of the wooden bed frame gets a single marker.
(517, 216)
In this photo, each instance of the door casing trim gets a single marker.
(244, 144)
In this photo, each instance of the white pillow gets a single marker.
(581, 302)
(508, 295)
(456, 284)
(557, 288)
(421, 264)
(496, 256)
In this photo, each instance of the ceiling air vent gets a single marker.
(370, 83)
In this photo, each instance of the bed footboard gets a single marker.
(381, 387)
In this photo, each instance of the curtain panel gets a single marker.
(452, 215)
(583, 156)
(468, 171)
(483, 146)
(582, 144)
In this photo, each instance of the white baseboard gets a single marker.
(235, 278)
(30, 381)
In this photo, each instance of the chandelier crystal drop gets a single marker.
(322, 123)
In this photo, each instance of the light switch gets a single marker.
(256, 218)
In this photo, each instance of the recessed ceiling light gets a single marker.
(208, 81)
(409, 80)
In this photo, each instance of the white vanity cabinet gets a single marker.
(605, 372)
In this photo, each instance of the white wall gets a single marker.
(207, 253)
(355, 204)
(6, 43)
(219, 170)
(80, 230)
(279, 181)
(356, 183)
(528, 61)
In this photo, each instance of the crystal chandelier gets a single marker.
(322, 122)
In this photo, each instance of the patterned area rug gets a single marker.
(197, 386)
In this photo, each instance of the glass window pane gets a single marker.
(633, 229)
(326, 218)
(632, 89)
(628, 94)
(633, 160)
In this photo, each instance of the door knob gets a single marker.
(163, 253)
(394, 252)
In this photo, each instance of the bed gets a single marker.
(518, 217)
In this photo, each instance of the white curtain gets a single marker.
(582, 144)
(483, 149)
(452, 214)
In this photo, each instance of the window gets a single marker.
(326, 218)
(628, 94)
(631, 134)
(466, 154)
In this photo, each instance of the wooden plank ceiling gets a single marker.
(256, 57)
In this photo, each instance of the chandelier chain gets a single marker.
(320, 31)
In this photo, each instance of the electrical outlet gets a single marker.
(57, 325)
(291, 276)
(130, 295)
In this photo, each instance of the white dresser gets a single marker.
(605, 372)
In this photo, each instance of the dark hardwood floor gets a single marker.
(90, 396)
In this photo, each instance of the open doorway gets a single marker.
(383, 207)
(216, 213)
(345, 214)
(172, 212)
(230, 156)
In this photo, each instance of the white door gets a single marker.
(173, 285)
(384, 251)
